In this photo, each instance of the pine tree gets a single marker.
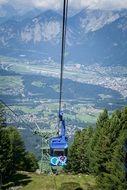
(98, 149)
(78, 152)
(114, 178)
(86, 134)
(18, 149)
(5, 147)
(73, 154)
(5, 154)
(123, 119)
(31, 163)
(2, 116)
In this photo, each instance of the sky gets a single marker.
(73, 4)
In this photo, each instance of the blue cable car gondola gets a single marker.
(59, 147)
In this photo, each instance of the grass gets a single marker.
(11, 85)
(105, 96)
(25, 109)
(32, 181)
(82, 117)
(20, 179)
(10, 81)
(38, 84)
(86, 118)
(55, 88)
(3, 58)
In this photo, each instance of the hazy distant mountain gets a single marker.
(102, 37)
(6, 11)
(94, 36)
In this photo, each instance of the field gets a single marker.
(11, 85)
(32, 181)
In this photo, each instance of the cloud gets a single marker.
(48, 4)
(98, 4)
(73, 4)
(3, 1)
(111, 4)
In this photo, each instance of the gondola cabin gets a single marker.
(58, 151)
(59, 148)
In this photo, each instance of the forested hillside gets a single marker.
(102, 151)
(13, 156)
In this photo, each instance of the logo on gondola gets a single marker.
(58, 161)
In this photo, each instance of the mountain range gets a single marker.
(93, 36)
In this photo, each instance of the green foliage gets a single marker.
(18, 149)
(32, 181)
(2, 116)
(98, 153)
(103, 117)
(70, 186)
(115, 175)
(31, 163)
(13, 155)
(5, 154)
(101, 151)
(78, 153)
